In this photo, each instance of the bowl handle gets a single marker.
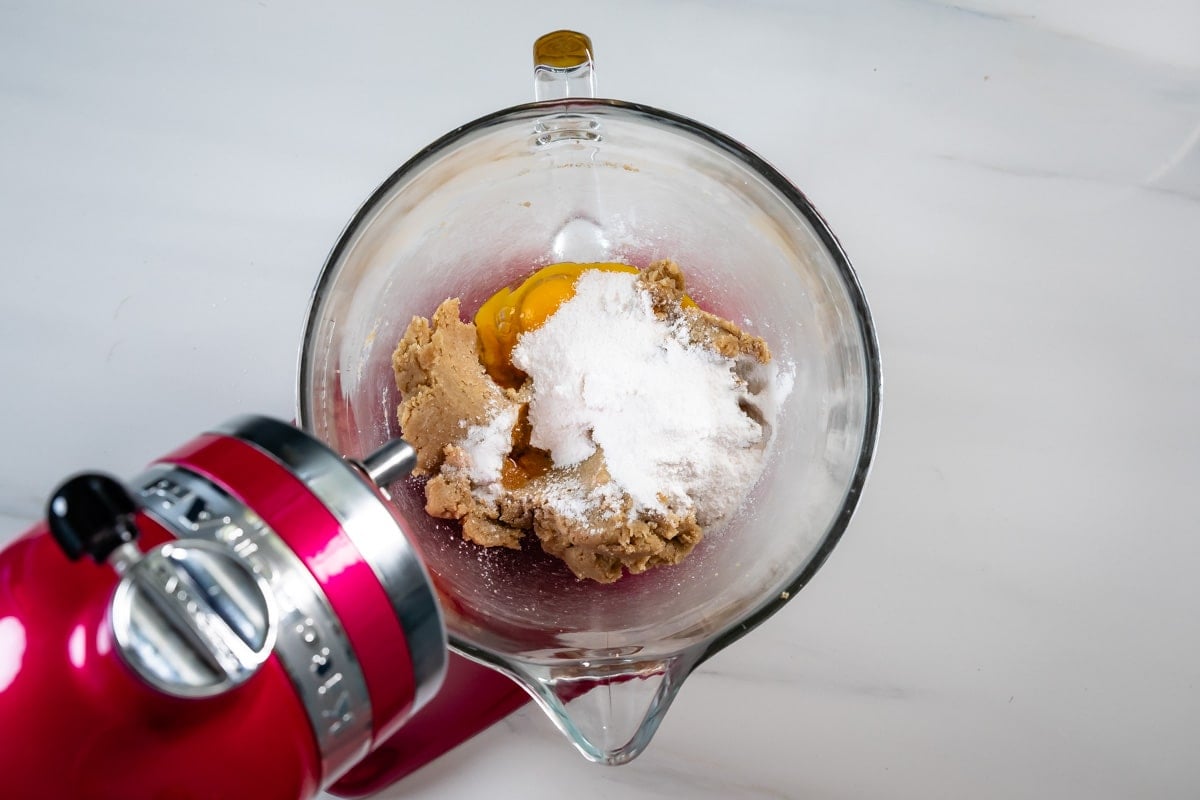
(563, 66)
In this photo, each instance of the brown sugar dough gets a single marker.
(664, 281)
(608, 537)
(444, 388)
(576, 513)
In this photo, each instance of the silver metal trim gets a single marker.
(372, 529)
(169, 630)
(392, 461)
(311, 644)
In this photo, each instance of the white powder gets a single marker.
(667, 413)
(570, 499)
(567, 500)
(487, 445)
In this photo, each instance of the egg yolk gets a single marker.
(510, 312)
(524, 462)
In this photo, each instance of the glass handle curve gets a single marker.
(563, 66)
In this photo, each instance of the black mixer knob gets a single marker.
(91, 514)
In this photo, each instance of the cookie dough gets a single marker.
(468, 431)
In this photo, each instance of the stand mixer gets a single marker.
(275, 596)
(252, 597)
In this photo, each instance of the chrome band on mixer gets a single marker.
(362, 517)
(193, 618)
(315, 653)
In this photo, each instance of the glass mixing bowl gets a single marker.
(583, 179)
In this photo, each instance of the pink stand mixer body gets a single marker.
(256, 623)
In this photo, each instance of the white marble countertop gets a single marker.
(1013, 612)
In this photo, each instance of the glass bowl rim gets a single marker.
(755, 163)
